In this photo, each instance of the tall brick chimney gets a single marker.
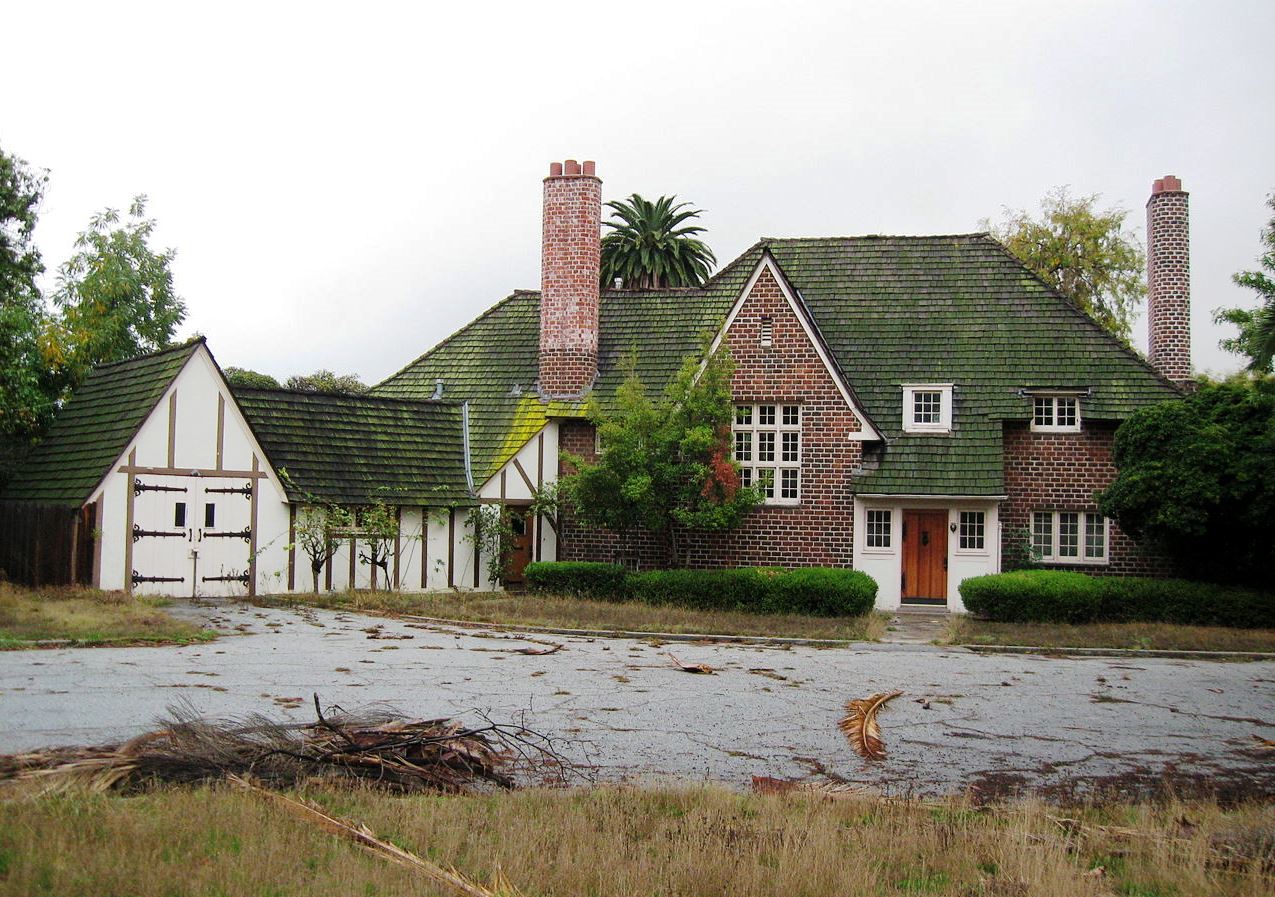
(570, 265)
(1169, 279)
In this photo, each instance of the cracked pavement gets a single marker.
(989, 724)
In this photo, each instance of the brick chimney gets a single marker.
(570, 265)
(1169, 280)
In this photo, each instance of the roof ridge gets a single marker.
(329, 394)
(516, 294)
(147, 356)
(967, 234)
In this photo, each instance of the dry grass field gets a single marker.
(963, 630)
(88, 617)
(522, 609)
(617, 842)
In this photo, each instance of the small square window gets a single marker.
(973, 526)
(878, 534)
(1066, 413)
(927, 408)
(743, 446)
(792, 415)
(1056, 414)
(788, 482)
(743, 415)
(765, 415)
(1043, 412)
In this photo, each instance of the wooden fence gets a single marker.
(44, 545)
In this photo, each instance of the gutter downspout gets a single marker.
(464, 433)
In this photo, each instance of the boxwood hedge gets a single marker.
(1059, 596)
(814, 591)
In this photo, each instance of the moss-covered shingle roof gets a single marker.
(353, 449)
(91, 432)
(893, 310)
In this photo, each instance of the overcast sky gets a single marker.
(347, 184)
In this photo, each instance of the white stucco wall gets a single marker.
(538, 460)
(885, 565)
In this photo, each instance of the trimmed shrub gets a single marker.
(1033, 596)
(1058, 596)
(815, 591)
(579, 579)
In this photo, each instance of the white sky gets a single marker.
(347, 184)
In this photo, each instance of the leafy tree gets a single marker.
(1197, 480)
(317, 528)
(255, 379)
(377, 528)
(326, 381)
(1083, 253)
(648, 248)
(665, 465)
(116, 293)
(1256, 338)
(26, 392)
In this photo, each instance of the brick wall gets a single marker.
(1063, 472)
(817, 532)
(569, 270)
(1169, 279)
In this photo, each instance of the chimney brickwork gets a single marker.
(1169, 280)
(570, 266)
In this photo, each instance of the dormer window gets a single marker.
(927, 408)
(1055, 414)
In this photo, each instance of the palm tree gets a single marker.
(648, 249)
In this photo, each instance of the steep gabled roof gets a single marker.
(356, 449)
(892, 310)
(95, 426)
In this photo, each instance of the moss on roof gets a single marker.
(893, 310)
(95, 427)
(356, 449)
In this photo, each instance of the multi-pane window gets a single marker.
(1056, 414)
(927, 408)
(973, 530)
(878, 529)
(1069, 537)
(767, 441)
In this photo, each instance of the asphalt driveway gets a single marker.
(987, 723)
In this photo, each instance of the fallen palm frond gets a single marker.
(364, 837)
(691, 667)
(859, 725)
(377, 747)
(539, 652)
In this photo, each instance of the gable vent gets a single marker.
(767, 331)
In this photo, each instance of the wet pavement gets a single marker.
(989, 724)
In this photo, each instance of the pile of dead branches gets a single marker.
(376, 747)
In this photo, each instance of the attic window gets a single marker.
(927, 408)
(767, 331)
(1055, 414)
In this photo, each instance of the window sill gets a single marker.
(883, 552)
(1075, 562)
(917, 430)
(1036, 429)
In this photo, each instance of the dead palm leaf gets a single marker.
(859, 725)
(364, 838)
(691, 667)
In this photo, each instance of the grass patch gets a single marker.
(88, 617)
(523, 609)
(965, 630)
(628, 841)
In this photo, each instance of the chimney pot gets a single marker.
(571, 167)
(590, 168)
(555, 169)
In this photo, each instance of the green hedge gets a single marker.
(815, 591)
(578, 579)
(1059, 596)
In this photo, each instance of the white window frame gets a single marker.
(753, 468)
(960, 531)
(1081, 557)
(888, 547)
(910, 424)
(1053, 399)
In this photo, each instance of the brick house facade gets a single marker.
(919, 405)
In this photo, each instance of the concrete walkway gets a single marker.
(916, 626)
(989, 724)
